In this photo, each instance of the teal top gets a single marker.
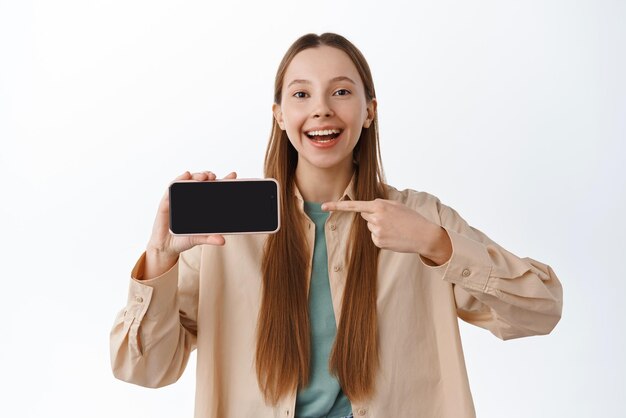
(323, 396)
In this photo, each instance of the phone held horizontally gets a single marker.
(242, 206)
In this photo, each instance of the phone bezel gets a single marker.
(278, 213)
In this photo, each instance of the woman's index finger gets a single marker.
(348, 206)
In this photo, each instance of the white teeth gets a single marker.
(324, 132)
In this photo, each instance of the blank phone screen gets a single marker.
(211, 207)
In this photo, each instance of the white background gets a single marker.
(511, 112)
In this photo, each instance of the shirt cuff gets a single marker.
(150, 297)
(469, 265)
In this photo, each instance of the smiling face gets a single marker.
(323, 108)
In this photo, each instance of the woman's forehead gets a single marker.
(321, 64)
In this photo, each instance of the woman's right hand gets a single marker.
(163, 248)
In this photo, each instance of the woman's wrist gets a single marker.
(157, 263)
(440, 249)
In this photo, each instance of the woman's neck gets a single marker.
(323, 185)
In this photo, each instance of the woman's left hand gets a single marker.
(396, 227)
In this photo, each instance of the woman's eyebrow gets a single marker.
(333, 80)
(343, 78)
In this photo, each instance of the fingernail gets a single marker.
(324, 206)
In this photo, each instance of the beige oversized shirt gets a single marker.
(210, 301)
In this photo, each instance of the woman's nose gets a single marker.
(322, 108)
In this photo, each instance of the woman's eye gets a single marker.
(299, 94)
(342, 92)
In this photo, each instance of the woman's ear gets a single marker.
(278, 115)
(371, 113)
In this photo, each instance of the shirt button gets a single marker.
(139, 299)
(466, 272)
(361, 411)
(333, 227)
(336, 268)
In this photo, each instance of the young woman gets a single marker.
(351, 308)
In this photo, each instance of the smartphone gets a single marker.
(242, 206)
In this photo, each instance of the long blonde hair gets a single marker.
(283, 349)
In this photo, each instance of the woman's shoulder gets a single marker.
(423, 202)
(410, 196)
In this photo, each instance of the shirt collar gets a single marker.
(348, 193)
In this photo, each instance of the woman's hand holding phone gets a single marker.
(163, 248)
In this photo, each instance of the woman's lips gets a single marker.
(324, 141)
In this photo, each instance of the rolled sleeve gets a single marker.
(469, 264)
(510, 296)
(154, 296)
(149, 346)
